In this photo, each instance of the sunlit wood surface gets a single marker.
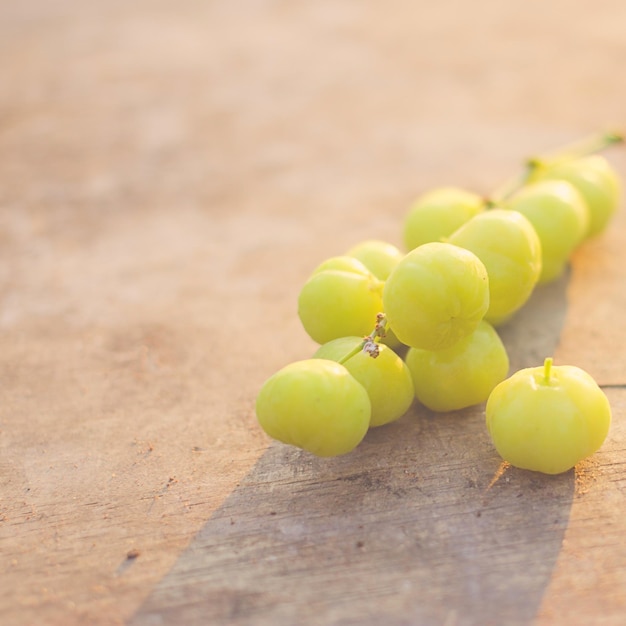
(170, 172)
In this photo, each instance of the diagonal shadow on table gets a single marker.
(420, 525)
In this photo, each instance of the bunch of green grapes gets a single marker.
(469, 264)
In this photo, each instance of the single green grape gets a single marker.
(386, 378)
(508, 245)
(436, 296)
(316, 405)
(462, 375)
(378, 256)
(560, 217)
(337, 303)
(351, 264)
(597, 182)
(436, 214)
(547, 419)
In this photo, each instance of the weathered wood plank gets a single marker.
(169, 174)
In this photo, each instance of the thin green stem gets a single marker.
(584, 147)
(369, 343)
(547, 367)
(510, 187)
(353, 352)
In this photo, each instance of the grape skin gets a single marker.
(436, 295)
(386, 378)
(547, 427)
(316, 405)
(508, 245)
(437, 213)
(597, 182)
(462, 375)
(335, 303)
(559, 215)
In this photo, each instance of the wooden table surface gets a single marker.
(170, 172)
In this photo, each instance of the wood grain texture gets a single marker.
(169, 174)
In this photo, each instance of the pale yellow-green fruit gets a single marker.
(462, 375)
(509, 247)
(316, 405)
(596, 180)
(380, 257)
(549, 418)
(339, 303)
(386, 378)
(559, 215)
(436, 214)
(436, 296)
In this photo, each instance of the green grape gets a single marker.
(597, 182)
(436, 296)
(547, 419)
(386, 378)
(343, 263)
(379, 257)
(335, 303)
(316, 405)
(462, 375)
(559, 215)
(507, 244)
(438, 213)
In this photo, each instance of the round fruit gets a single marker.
(560, 218)
(316, 405)
(547, 418)
(597, 182)
(337, 303)
(436, 296)
(386, 378)
(438, 213)
(509, 247)
(462, 375)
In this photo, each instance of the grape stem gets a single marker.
(369, 345)
(584, 147)
(547, 367)
(510, 187)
